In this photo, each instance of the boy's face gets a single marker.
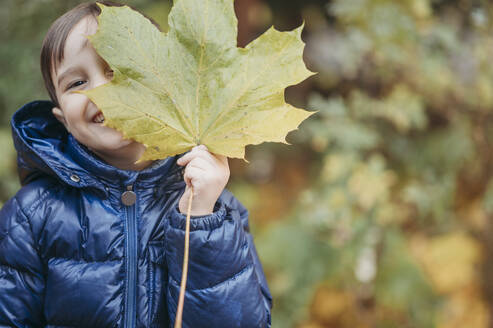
(82, 69)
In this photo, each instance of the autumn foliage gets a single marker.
(381, 213)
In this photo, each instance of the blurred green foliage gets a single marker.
(381, 214)
(403, 143)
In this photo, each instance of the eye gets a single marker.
(110, 73)
(76, 84)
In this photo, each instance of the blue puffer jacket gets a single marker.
(73, 255)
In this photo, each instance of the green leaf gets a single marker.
(193, 85)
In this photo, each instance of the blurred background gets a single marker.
(380, 213)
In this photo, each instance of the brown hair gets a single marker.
(54, 41)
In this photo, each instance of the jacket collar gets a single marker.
(44, 147)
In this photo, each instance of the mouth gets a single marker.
(98, 118)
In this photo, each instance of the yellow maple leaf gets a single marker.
(193, 85)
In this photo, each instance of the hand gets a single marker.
(208, 174)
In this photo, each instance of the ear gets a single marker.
(59, 115)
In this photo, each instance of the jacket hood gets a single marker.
(44, 147)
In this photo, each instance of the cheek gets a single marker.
(74, 106)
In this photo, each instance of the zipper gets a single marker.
(131, 256)
(152, 284)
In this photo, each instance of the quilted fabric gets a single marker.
(73, 255)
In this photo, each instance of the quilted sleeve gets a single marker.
(21, 278)
(226, 286)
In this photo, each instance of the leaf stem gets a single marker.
(181, 298)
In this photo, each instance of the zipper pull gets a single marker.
(129, 197)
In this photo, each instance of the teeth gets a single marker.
(99, 118)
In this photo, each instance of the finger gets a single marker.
(197, 164)
(192, 175)
(187, 157)
(223, 159)
(200, 163)
(201, 147)
(197, 151)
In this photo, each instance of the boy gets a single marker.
(94, 239)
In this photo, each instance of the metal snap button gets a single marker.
(74, 178)
(129, 198)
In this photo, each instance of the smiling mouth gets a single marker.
(98, 118)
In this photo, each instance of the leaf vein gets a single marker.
(154, 71)
(151, 117)
(242, 92)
